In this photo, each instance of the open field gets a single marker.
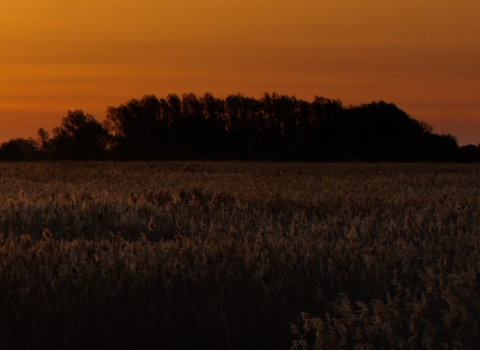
(225, 255)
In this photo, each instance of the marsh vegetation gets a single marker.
(239, 255)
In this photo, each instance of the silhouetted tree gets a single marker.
(42, 137)
(468, 153)
(214, 137)
(79, 137)
(275, 127)
(191, 129)
(44, 145)
(136, 128)
(18, 149)
(441, 148)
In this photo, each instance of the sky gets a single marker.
(57, 55)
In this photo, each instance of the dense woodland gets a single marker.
(275, 127)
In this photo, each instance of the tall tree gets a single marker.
(135, 128)
(79, 137)
(18, 149)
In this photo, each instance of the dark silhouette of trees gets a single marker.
(42, 139)
(441, 147)
(19, 149)
(274, 127)
(214, 135)
(381, 132)
(79, 137)
(468, 153)
(138, 128)
(43, 144)
(160, 129)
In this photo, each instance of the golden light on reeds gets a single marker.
(380, 258)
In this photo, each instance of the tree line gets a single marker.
(274, 127)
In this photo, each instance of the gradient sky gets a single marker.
(59, 55)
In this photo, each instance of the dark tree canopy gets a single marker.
(79, 137)
(274, 127)
(19, 149)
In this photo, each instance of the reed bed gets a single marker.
(239, 256)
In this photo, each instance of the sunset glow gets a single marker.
(58, 56)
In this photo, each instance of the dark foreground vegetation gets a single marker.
(225, 255)
(275, 127)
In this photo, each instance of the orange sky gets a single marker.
(59, 55)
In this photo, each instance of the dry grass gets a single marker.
(225, 255)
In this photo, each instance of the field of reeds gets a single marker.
(239, 256)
